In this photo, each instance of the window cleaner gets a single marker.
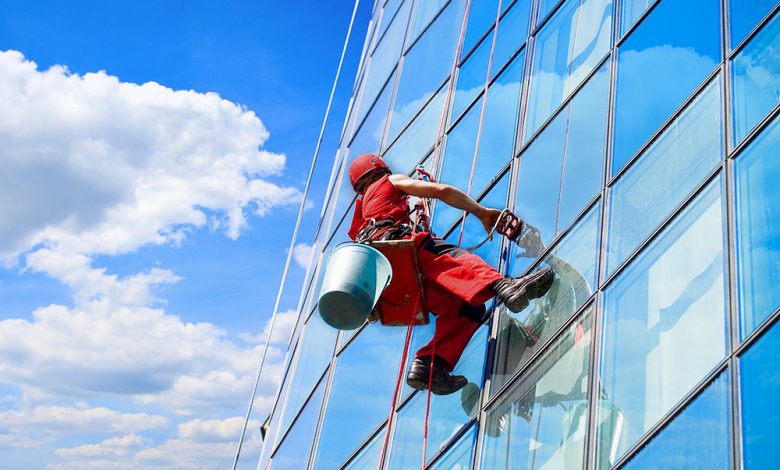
(455, 283)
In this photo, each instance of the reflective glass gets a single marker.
(755, 79)
(541, 421)
(383, 60)
(447, 414)
(273, 424)
(545, 7)
(573, 261)
(696, 439)
(630, 11)
(424, 11)
(361, 393)
(312, 357)
(417, 139)
(482, 15)
(473, 231)
(758, 228)
(368, 458)
(760, 387)
(460, 456)
(566, 50)
(471, 78)
(664, 323)
(512, 33)
(293, 453)
(745, 15)
(660, 64)
(368, 138)
(391, 8)
(665, 174)
(426, 66)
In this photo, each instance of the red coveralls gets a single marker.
(456, 282)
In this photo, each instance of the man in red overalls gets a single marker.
(457, 284)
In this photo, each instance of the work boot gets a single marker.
(442, 383)
(517, 292)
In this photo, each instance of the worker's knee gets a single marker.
(477, 314)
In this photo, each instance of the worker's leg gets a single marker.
(456, 323)
(453, 269)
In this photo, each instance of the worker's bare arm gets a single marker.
(448, 194)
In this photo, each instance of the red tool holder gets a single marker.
(509, 225)
(403, 298)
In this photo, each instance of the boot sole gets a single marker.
(436, 389)
(538, 285)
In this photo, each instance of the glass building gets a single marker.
(639, 140)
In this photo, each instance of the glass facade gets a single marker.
(639, 141)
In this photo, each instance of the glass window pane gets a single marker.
(460, 456)
(664, 322)
(745, 15)
(760, 387)
(474, 233)
(482, 15)
(361, 392)
(368, 139)
(294, 451)
(545, 7)
(665, 174)
(417, 139)
(512, 33)
(471, 78)
(630, 11)
(426, 66)
(758, 228)
(756, 79)
(659, 66)
(368, 458)
(574, 262)
(383, 60)
(696, 439)
(566, 50)
(541, 421)
(499, 126)
(424, 11)
(391, 8)
(447, 414)
(313, 356)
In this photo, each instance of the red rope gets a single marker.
(481, 115)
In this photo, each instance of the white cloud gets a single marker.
(302, 254)
(78, 419)
(283, 328)
(113, 447)
(95, 165)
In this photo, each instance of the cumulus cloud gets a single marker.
(302, 254)
(96, 165)
(113, 447)
(79, 419)
(283, 328)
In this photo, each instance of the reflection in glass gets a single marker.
(361, 392)
(696, 439)
(758, 228)
(426, 66)
(541, 421)
(473, 231)
(512, 33)
(448, 412)
(630, 11)
(273, 423)
(665, 174)
(745, 15)
(391, 8)
(368, 457)
(417, 139)
(567, 48)
(383, 60)
(755, 79)
(664, 321)
(573, 261)
(311, 359)
(368, 138)
(471, 79)
(424, 11)
(293, 453)
(482, 15)
(760, 387)
(660, 64)
(460, 455)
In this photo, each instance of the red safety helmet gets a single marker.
(364, 164)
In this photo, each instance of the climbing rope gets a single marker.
(294, 236)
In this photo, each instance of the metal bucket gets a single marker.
(355, 276)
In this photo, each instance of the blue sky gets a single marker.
(182, 245)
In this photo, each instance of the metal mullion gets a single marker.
(529, 48)
(416, 114)
(636, 24)
(550, 15)
(362, 446)
(666, 124)
(321, 419)
(505, 11)
(735, 404)
(756, 29)
(533, 360)
(758, 332)
(758, 129)
(594, 382)
(451, 441)
(607, 170)
(665, 223)
(280, 438)
(670, 415)
(359, 125)
(567, 99)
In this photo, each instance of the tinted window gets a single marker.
(664, 321)
(459, 457)
(745, 14)
(659, 66)
(294, 451)
(758, 228)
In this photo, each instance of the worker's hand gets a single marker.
(488, 217)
